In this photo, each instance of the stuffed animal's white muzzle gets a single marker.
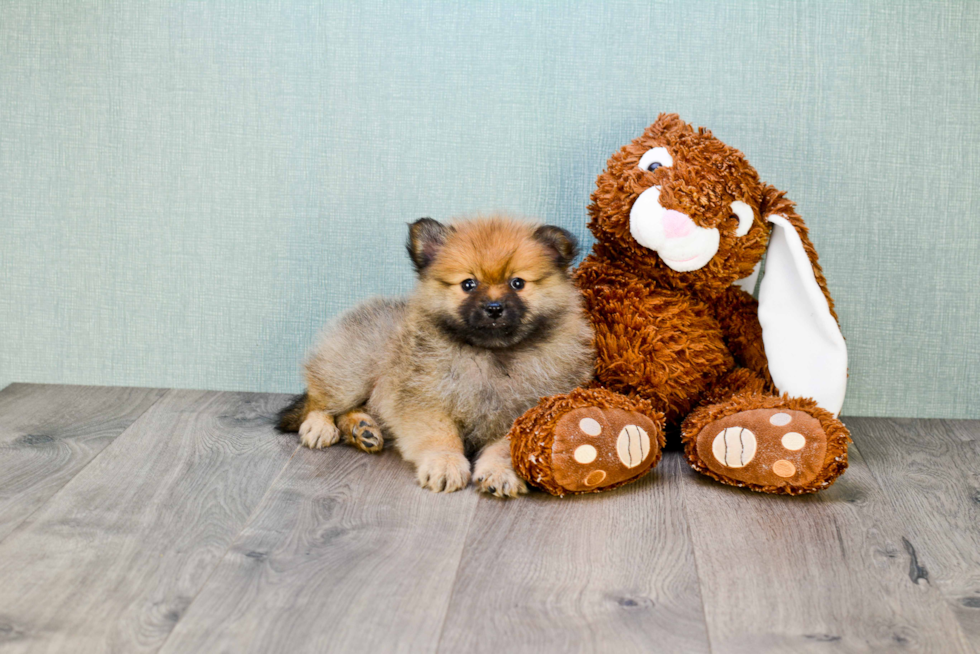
(681, 244)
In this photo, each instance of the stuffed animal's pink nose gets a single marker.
(676, 224)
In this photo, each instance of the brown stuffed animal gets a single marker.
(682, 222)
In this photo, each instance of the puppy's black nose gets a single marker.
(494, 309)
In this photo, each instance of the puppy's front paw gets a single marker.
(497, 477)
(318, 430)
(443, 472)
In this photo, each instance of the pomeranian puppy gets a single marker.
(494, 324)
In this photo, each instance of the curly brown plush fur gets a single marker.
(689, 343)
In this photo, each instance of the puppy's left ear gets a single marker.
(804, 346)
(425, 237)
(561, 243)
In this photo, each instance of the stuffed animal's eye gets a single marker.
(468, 285)
(656, 158)
(517, 283)
(745, 217)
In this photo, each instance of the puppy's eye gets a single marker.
(656, 158)
(517, 283)
(468, 285)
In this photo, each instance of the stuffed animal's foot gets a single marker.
(595, 448)
(790, 449)
(586, 441)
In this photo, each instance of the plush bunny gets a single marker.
(682, 222)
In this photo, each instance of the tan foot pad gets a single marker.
(595, 448)
(772, 447)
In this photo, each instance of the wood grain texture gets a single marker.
(820, 573)
(346, 554)
(194, 527)
(111, 562)
(930, 470)
(964, 430)
(49, 433)
(611, 572)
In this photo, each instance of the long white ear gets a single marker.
(804, 346)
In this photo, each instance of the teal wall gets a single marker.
(189, 189)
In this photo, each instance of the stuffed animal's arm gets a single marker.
(737, 313)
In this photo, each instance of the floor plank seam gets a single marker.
(694, 553)
(58, 492)
(459, 563)
(231, 544)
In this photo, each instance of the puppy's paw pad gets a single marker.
(318, 431)
(444, 472)
(499, 480)
(367, 437)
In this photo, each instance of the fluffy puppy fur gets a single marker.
(494, 324)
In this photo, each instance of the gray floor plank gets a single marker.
(964, 430)
(132, 519)
(930, 470)
(822, 573)
(49, 433)
(346, 554)
(597, 573)
(113, 559)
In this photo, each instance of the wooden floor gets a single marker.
(141, 520)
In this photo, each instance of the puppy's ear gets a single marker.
(561, 243)
(425, 237)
